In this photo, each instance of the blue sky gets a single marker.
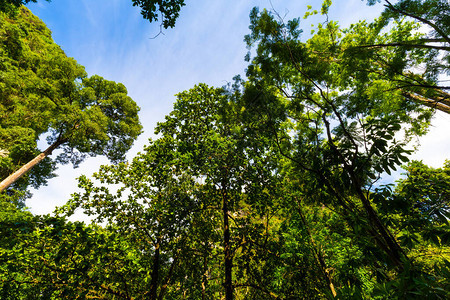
(111, 39)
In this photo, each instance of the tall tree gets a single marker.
(338, 139)
(342, 110)
(197, 194)
(45, 92)
(208, 127)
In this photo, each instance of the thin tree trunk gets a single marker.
(155, 273)
(319, 256)
(226, 241)
(204, 276)
(163, 289)
(28, 166)
(395, 252)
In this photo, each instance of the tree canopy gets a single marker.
(44, 92)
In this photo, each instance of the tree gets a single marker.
(342, 110)
(23, 118)
(211, 129)
(48, 93)
(45, 257)
(153, 217)
(196, 194)
(264, 189)
(338, 141)
(169, 9)
(417, 208)
(199, 122)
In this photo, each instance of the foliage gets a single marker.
(23, 117)
(342, 147)
(205, 160)
(169, 10)
(45, 93)
(344, 127)
(50, 258)
(8, 5)
(263, 189)
(420, 60)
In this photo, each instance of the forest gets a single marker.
(268, 187)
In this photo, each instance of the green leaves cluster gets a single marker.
(46, 93)
(169, 10)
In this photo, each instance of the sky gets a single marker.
(111, 39)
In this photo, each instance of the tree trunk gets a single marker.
(28, 166)
(227, 245)
(155, 273)
(163, 289)
(394, 251)
(204, 276)
(382, 233)
(318, 254)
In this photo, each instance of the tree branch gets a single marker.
(403, 44)
(425, 21)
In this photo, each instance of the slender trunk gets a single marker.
(28, 166)
(204, 277)
(394, 250)
(163, 289)
(155, 273)
(318, 255)
(227, 245)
